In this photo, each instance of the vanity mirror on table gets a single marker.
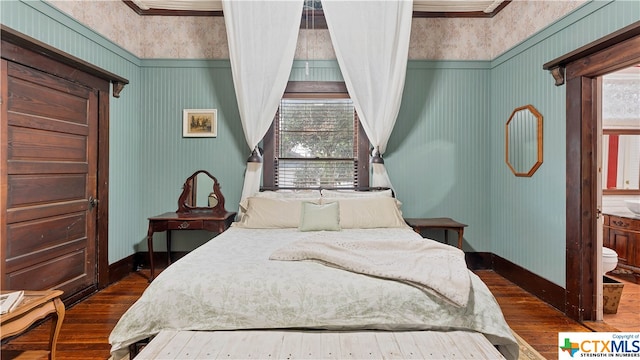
(200, 207)
(201, 193)
(523, 141)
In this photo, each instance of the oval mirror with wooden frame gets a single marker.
(524, 141)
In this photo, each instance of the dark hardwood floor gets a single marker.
(87, 325)
(535, 321)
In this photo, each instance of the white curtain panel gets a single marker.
(262, 37)
(371, 41)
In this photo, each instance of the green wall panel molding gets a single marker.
(586, 23)
(184, 63)
(449, 64)
(46, 23)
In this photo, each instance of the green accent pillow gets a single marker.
(315, 217)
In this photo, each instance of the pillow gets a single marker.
(287, 194)
(268, 213)
(318, 217)
(355, 193)
(368, 212)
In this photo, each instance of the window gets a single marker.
(316, 140)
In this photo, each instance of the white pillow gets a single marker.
(353, 193)
(309, 194)
(268, 213)
(317, 217)
(368, 212)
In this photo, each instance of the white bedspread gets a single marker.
(428, 265)
(230, 283)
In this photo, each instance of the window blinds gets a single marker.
(316, 143)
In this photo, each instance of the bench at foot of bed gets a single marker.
(279, 344)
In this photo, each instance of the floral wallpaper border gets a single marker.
(179, 37)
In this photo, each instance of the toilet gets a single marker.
(609, 260)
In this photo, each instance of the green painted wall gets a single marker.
(169, 87)
(438, 148)
(527, 215)
(445, 156)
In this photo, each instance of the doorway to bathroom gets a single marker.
(619, 169)
(579, 71)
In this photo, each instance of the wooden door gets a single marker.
(49, 159)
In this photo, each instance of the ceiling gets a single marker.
(422, 8)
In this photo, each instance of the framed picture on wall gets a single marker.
(200, 123)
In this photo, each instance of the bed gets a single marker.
(295, 262)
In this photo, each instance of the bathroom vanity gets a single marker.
(622, 234)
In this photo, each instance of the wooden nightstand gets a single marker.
(35, 305)
(192, 214)
(438, 223)
(190, 221)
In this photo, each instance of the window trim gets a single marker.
(314, 89)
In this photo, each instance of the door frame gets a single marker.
(66, 66)
(580, 70)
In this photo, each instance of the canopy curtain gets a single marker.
(371, 41)
(262, 37)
